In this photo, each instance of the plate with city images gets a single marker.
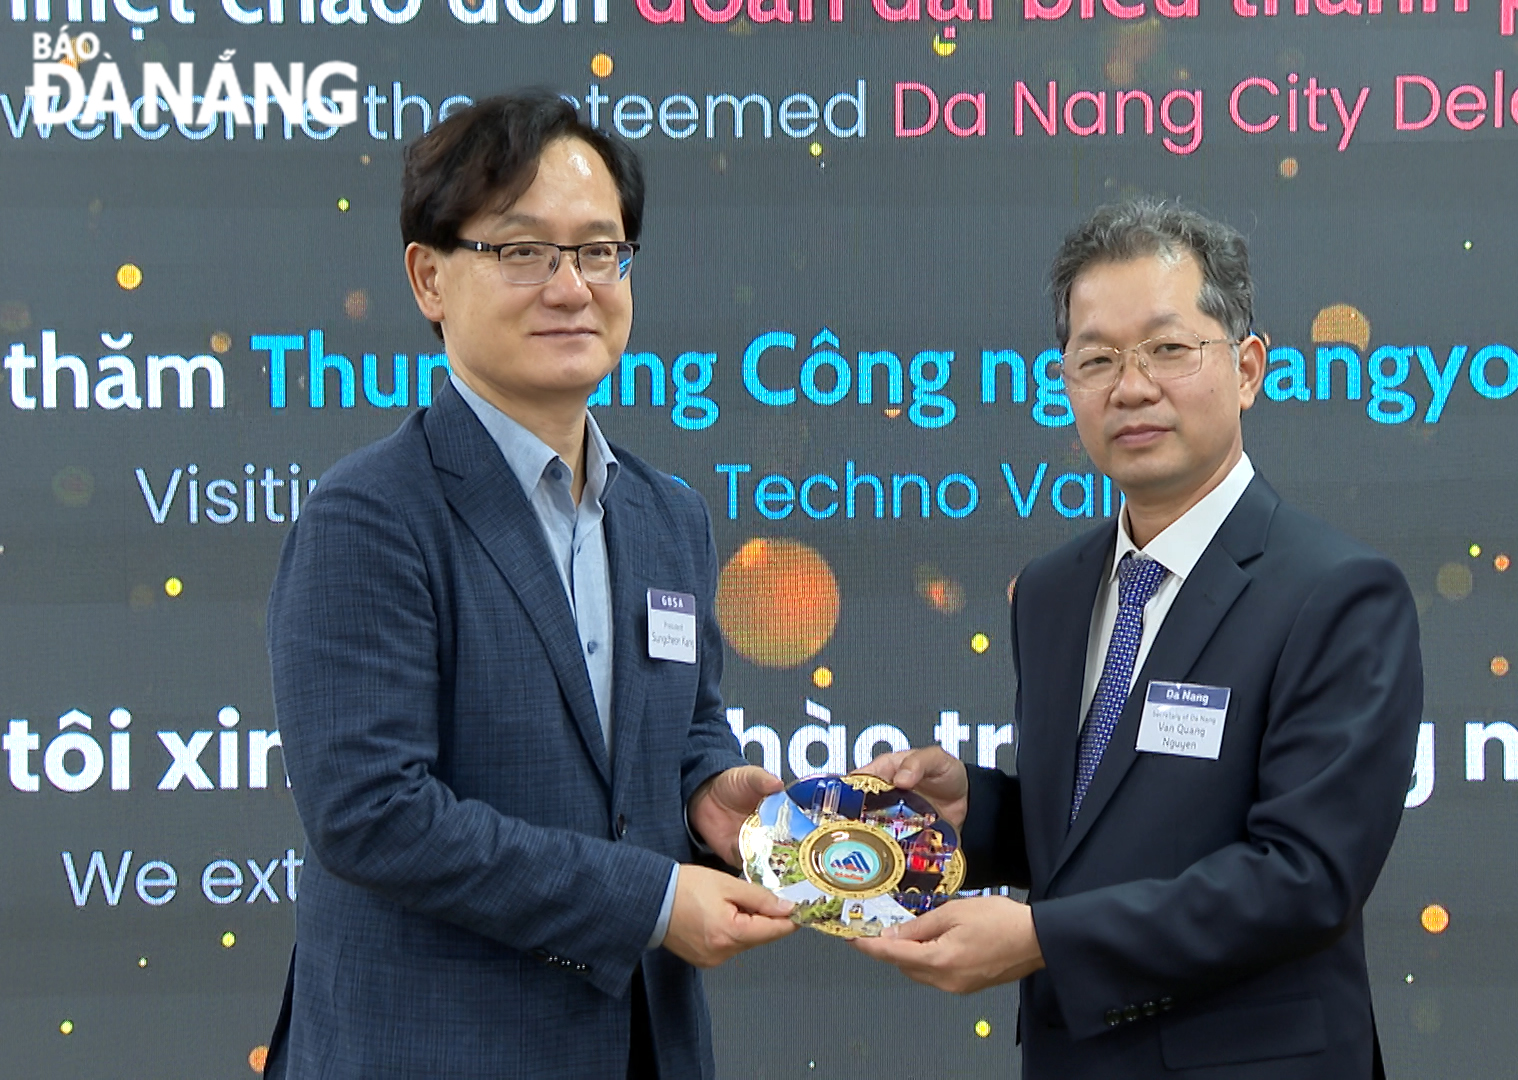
(855, 854)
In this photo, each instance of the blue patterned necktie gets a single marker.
(1137, 579)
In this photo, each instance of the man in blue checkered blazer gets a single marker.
(501, 771)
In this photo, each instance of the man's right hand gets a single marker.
(931, 772)
(716, 917)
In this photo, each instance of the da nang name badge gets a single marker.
(1183, 719)
(855, 854)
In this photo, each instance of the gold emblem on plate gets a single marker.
(872, 785)
(852, 860)
(954, 874)
(748, 833)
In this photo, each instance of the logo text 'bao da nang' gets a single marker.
(59, 94)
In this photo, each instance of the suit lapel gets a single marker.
(484, 492)
(1209, 592)
(1047, 745)
(628, 550)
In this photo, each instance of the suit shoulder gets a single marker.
(392, 478)
(671, 497)
(1315, 547)
(1092, 544)
(402, 453)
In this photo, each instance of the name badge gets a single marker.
(671, 626)
(1183, 719)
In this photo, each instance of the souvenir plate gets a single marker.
(855, 854)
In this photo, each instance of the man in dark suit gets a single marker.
(496, 668)
(1217, 705)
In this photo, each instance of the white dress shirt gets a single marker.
(1177, 549)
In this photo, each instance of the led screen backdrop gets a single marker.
(841, 341)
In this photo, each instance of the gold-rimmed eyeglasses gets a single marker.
(1173, 355)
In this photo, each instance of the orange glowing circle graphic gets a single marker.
(941, 594)
(1133, 46)
(1454, 581)
(15, 316)
(1501, 563)
(1288, 168)
(73, 486)
(777, 602)
(258, 1057)
(822, 678)
(600, 65)
(945, 595)
(1435, 918)
(1341, 322)
(1500, 666)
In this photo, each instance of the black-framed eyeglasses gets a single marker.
(532, 262)
(1169, 356)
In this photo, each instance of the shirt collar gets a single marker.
(1179, 547)
(529, 457)
(601, 465)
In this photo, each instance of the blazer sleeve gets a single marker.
(354, 645)
(711, 746)
(1334, 763)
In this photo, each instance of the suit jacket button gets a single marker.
(1131, 1013)
(621, 826)
(1113, 1017)
(582, 967)
(1151, 1008)
(1166, 1004)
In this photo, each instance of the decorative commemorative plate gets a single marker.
(855, 854)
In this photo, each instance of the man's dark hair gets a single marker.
(1143, 227)
(484, 156)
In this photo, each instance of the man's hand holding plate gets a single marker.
(720, 806)
(716, 916)
(931, 772)
(964, 946)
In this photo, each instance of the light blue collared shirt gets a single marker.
(577, 542)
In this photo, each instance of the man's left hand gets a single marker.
(964, 946)
(721, 805)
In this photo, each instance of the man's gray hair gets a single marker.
(1139, 228)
